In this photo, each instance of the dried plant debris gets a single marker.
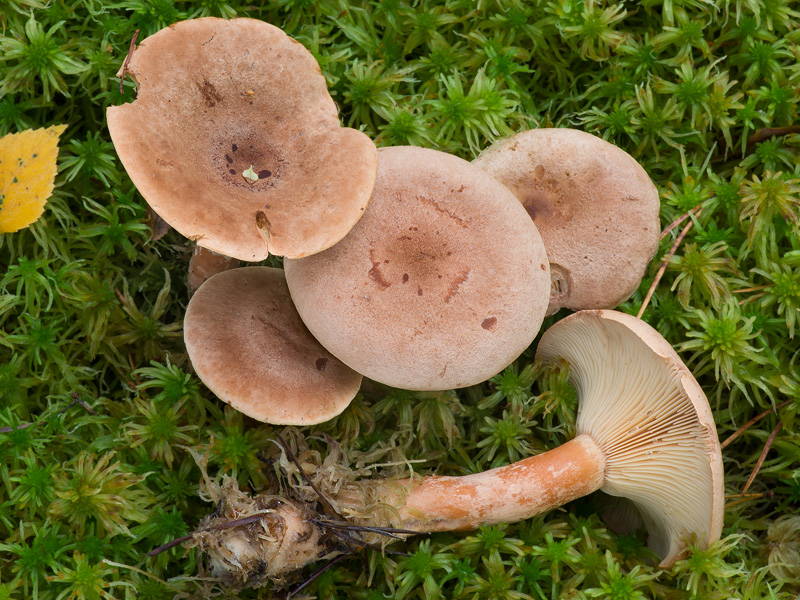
(316, 509)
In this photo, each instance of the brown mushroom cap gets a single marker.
(218, 99)
(594, 205)
(204, 264)
(249, 346)
(441, 284)
(650, 417)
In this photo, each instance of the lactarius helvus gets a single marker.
(234, 140)
(644, 432)
(440, 285)
(594, 206)
(249, 346)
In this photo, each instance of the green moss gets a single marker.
(91, 307)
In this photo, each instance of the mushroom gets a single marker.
(234, 140)
(204, 264)
(645, 432)
(594, 205)
(249, 346)
(441, 284)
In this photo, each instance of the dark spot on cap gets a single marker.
(262, 222)
(489, 324)
(232, 171)
(264, 173)
(228, 158)
(210, 94)
(321, 364)
(419, 291)
(234, 147)
(543, 267)
(405, 277)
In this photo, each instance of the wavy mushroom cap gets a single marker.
(594, 205)
(652, 420)
(234, 140)
(441, 284)
(249, 346)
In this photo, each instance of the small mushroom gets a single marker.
(204, 264)
(441, 284)
(234, 140)
(644, 432)
(594, 205)
(249, 346)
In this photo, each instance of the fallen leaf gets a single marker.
(27, 172)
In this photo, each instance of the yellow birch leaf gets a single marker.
(27, 171)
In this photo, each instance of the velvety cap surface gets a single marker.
(249, 346)
(441, 284)
(234, 140)
(595, 206)
(647, 412)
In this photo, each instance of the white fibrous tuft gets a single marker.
(255, 540)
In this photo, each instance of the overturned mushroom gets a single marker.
(644, 432)
(441, 284)
(234, 140)
(594, 205)
(249, 346)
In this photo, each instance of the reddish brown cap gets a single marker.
(441, 284)
(234, 140)
(594, 205)
(249, 346)
(204, 264)
(650, 417)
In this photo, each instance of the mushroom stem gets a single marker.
(290, 534)
(506, 494)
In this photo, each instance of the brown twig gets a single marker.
(217, 527)
(752, 289)
(766, 133)
(127, 60)
(680, 220)
(315, 575)
(290, 455)
(387, 531)
(662, 269)
(747, 497)
(168, 545)
(763, 457)
(750, 423)
(76, 399)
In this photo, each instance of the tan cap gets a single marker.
(650, 417)
(204, 264)
(249, 346)
(594, 205)
(234, 140)
(441, 284)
